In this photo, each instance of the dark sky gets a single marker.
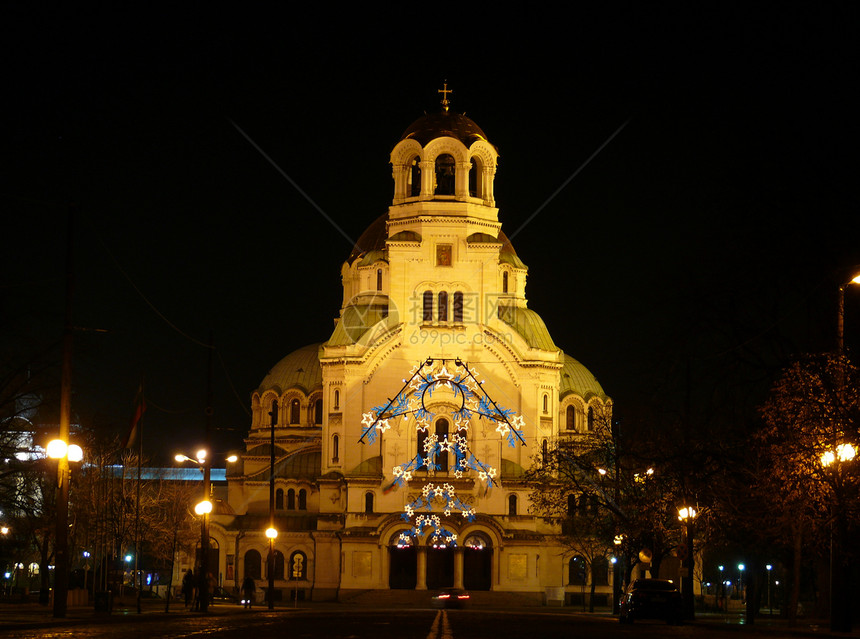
(713, 228)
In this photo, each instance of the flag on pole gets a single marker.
(139, 410)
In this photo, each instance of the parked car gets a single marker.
(651, 599)
(220, 595)
(450, 598)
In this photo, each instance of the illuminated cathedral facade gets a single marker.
(401, 440)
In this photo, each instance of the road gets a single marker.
(364, 623)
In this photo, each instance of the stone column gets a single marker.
(421, 576)
(458, 567)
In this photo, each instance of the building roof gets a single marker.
(299, 369)
(576, 378)
(529, 325)
(445, 124)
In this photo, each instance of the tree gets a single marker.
(812, 413)
(606, 499)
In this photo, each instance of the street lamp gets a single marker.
(840, 611)
(687, 514)
(272, 534)
(769, 603)
(64, 453)
(722, 584)
(741, 581)
(204, 509)
(840, 327)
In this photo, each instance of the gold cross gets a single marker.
(445, 91)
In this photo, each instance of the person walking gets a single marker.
(188, 587)
(249, 589)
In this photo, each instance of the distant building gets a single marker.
(434, 278)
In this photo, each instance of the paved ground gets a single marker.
(32, 616)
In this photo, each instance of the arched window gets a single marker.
(295, 412)
(318, 411)
(421, 439)
(544, 449)
(298, 566)
(368, 502)
(279, 499)
(577, 571)
(458, 307)
(571, 505)
(414, 187)
(291, 499)
(512, 505)
(445, 169)
(475, 179)
(504, 281)
(545, 403)
(590, 419)
(443, 306)
(335, 446)
(273, 415)
(253, 564)
(337, 400)
(303, 499)
(379, 279)
(427, 315)
(570, 421)
(442, 435)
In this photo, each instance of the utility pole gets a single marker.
(61, 546)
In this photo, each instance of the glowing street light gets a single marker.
(272, 534)
(64, 453)
(203, 508)
(687, 514)
(840, 327)
(840, 615)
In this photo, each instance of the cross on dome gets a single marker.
(445, 91)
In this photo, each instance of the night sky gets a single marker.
(703, 243)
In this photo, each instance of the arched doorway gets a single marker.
(440, 567)
(477, 562)
(402, 564)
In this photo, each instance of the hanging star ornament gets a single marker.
(411, 401)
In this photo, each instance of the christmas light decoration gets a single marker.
(411, 402)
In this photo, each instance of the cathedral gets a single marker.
(400, 441)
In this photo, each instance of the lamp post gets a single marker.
(840, 600)
(722, 585)
(204, 462)
(272, 534)
(840, 326)
(271, 529)
(203, 508)
(769, 603)
(741, 581)
(64, 453)
(687, 514)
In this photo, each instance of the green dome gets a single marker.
(300, 369)
(576, 378)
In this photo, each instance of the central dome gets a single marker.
(446, 123)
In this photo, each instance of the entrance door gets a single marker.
(477, 562)
(403, 568)
(477, 568)
(440, 568)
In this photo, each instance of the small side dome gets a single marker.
(300, 369)
(576, 378)
(373, 239)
